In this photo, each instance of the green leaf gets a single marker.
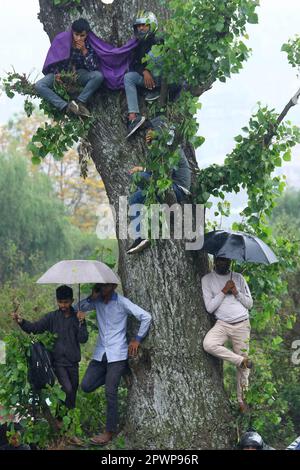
(287, 156)
(36, 160)
(253, 18)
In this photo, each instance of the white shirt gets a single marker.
(112, 323)
(226, 307)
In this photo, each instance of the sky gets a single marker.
(267, 77)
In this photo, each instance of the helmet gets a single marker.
(251, 439)
(145, 17)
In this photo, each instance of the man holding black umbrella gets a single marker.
(227, 296)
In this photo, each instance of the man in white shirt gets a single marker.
(109, 361)
(227, 296)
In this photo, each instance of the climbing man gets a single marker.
(181, 180)
(81, 59)
(145, 27)
(227, 296)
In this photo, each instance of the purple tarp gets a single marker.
(113, 61)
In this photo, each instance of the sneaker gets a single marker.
(139, 245)
(152, 95)
(135, 124)
(73, 108)
(83, 110)
(246, 363)
(78, 109)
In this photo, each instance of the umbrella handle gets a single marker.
(232, 268)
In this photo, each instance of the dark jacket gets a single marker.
(143, 48)
(70, 334)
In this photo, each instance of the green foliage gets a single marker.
(210, 47)
(206, 36)
(57, 137)
(292, 48)
(18, 83)
(16, 395)
(31, 243)
(15, 391)
(251, 164)
(287, 210)
(35, 300)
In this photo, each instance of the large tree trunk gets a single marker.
(177, 398)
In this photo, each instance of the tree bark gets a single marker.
(177, 399)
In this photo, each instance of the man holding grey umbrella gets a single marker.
(227, 296)
(71, 331)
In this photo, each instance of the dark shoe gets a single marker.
(83, 110)
(135, 124)
(139, 245)
(246, 363)
(152, 95)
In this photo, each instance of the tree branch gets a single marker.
(293, 101)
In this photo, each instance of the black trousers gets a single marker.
(108, 374)
(68, 377)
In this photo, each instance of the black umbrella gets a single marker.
(238, 246)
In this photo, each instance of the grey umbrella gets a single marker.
(79, 272)
(238, 246)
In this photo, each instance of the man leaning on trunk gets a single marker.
(227, 296)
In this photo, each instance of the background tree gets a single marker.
(36, 229)
(41, 220)
(80, 196)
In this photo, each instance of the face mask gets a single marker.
(142, 34)
(222, 269)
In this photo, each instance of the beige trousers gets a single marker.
(239, 335)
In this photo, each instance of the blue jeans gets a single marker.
(138, 197)
(109, 374)
(132, 80)
(91, 81)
